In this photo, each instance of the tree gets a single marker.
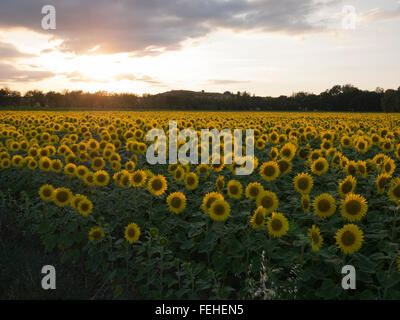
(391, 101)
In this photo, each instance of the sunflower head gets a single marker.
(268, 200)
(269, 171)
(219, 210)
(354, 207)
(349, 238)
(62, 196)
(132, 232)
(303, 183)
(316, 238)
(258, 219)
(347, 186)
(157, 185)
(191, 181)
(253, 189)
(176, 202)
(394, 191)
(46, 192)
(277, 225)
(320, 166)
(208, 199)
(324, 205)
(235, 189)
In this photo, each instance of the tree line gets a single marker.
(346, 98)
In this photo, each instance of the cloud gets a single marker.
(379, 14)
(148, 27)
(226, 82)
(9, 73)
(143, 78)
(77, 76)
(9, 51)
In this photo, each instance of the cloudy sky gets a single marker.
(266, 47)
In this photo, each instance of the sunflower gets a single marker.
(235, 189)
(18, 161)
(394, 191)
(269, 171)
(84, 207)
(324, 205)
(70, 169)
(253, 189)
(56, 165)
(130, 166)
(88, 179)
(288, 151)
(220, 183)
(351, 168)
(98, 163)
(274, 153)
(191, 181)
(176, 202)
(157, 185)
(208, 199)
(62, 196)
(5, 163)
(258, 219)
(320, 166)
(138, 178)
(46, 192)
(354, 207)
(124, 179)
(132, 232)
(347, 186)
(349, 238)
(202, 169)
(285, 166)
(96, 233)
(219, 210)
(179, 173)
(305, 202)
(381, 182)
(45, 164)
(81, 171)
(303, 183)
(268, 200)
(277, 225)
(388, 166)
(316, 238)
(101, 178)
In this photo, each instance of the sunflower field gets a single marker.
(325, 193)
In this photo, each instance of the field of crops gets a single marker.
(324, 193)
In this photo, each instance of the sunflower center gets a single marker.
(219, 209)
(210, 201)
(96, 235)
(283, 166)
(131, 233)
(234, 189)
(287, 152)
(267, 202)
(254, 191)
(388, 167)
(157, 184)
(319, 166)
(348, 238)
(324, 205)
(176, 202)
(47, 192)
(303, 183)
(62, 196)
(259, 218)
(353, 207)
(101, 178)
(396, 191)
(382, 182)
(269, 171)
(347, 187)
(315, 237)
(190, 181)
(84, 206)
(97, 163)
(276, 225)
